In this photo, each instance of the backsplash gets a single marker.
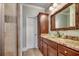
(73, 34)
(73, 38)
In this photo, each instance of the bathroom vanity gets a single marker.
(58, 47)
(67, 18)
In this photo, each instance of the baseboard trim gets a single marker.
(25, 49)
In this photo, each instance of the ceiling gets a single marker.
(43, 5)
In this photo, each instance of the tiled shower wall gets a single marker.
(10, 30)
(68, 32)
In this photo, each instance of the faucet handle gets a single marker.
(62, 35)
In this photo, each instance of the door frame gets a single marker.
(28, 17)
(2, 24)
(18, 28)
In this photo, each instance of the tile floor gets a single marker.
(32, 52)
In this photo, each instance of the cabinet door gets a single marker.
(51, 51)
(67, 51)
(40, 45)
(77, 15)
(43, 22)
(60, 54)
(52, 22)
(44, 49)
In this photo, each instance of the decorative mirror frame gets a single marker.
(53, 15)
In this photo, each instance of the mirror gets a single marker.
(65, 18)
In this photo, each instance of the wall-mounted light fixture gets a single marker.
(53, 6)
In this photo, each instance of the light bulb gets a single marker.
(51, 8)
(55, 4)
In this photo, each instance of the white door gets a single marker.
(31, 32)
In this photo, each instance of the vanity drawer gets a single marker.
(67, 51)
(51, 43)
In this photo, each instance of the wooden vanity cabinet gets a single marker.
(44, 49)
(42, 26)
(52, 23)
(51, 48)
(42, 19)
(40, 45)
(65, 51)
(60, 54)
(77, 15)
(52, 51)
(52, 44)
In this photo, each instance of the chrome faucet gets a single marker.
(58, 34)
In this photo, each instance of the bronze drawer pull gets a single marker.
(65, 52)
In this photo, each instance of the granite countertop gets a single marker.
(66, 42)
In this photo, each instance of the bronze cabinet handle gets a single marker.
(65, 52)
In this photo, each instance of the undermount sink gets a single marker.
(66, 41)
(52, 36)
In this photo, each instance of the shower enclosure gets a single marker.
(9, 29)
